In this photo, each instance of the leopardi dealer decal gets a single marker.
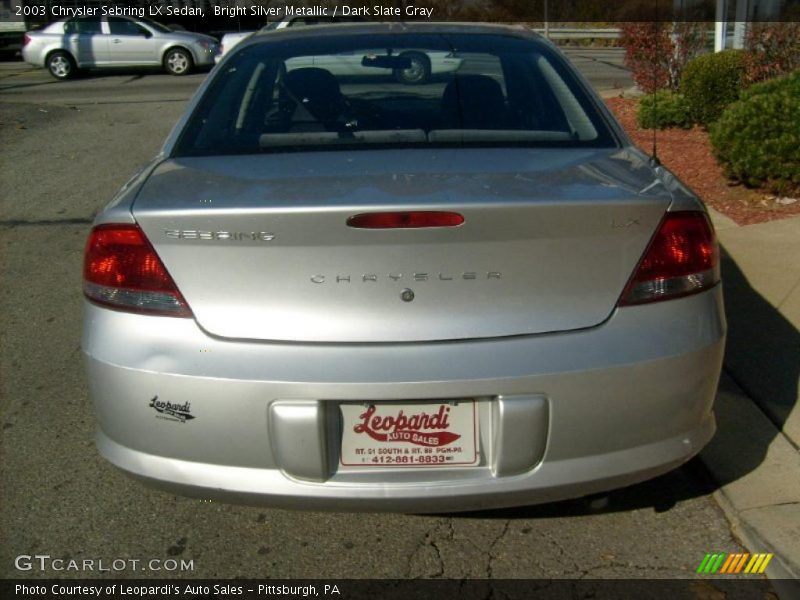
(172, 412)
(420, 429)
(421, 434)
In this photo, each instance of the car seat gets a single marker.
(473, 102)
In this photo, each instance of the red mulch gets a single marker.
(687, 153)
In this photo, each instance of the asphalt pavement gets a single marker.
(22, 83)
(66, 148)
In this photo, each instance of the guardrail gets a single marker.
(576, 33)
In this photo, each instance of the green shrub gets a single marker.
(790, 83)
(663, 110)
(757, 139)
(711, 82)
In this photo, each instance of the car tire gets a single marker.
(419, 72)
(61, 65)
(178, 61)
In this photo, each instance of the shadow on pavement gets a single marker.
(661, 494)
(135, 72)
(27, 85)
(763, 352)
(133, 75)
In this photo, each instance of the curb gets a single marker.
(783, 580)
(763, 504)
(631, 92)
(753, 538)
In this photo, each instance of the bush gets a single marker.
(711, 82)
(757, 139)
(790, 82)
(666, 109)
(773, 50)
(656, 53)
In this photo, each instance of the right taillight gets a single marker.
(122, 270)
(682, 259)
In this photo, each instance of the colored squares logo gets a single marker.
(734, 563)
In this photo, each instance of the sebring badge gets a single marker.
(236, 236)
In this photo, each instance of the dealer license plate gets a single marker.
(420, 434)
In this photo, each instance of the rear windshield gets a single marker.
(391, 90)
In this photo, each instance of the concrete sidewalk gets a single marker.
(754, 456)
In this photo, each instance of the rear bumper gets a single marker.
(603, 408)
(552, 481)
(33, 55)
(205, 58)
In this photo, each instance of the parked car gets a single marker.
(65, 46)
(229, 40)
(466, 294)
(421, 64)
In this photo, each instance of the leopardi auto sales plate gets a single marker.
(422, 434)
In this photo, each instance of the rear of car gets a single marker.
(346, 292)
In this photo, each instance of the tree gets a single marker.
(657, 52)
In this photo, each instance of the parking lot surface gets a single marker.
(66, 148)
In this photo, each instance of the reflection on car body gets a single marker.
(447, 314)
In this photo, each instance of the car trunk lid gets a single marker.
(261, 248)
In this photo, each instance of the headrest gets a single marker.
(318, 91)
(473, 102)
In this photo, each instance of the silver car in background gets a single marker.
(465, 294)
(65, 46)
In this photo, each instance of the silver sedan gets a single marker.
(469, 293)
(65, 46)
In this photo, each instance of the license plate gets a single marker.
(421, 434)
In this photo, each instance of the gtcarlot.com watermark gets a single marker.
(45, 562)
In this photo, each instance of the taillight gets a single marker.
(682, 259)
(122, 270)
(405, 219)
(26, 40)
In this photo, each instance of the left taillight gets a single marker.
(122, 270)
(26, 40)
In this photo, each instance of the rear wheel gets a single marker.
(419, 71)
(61, 65)
(178, 61)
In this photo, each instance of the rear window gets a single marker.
(392, 90)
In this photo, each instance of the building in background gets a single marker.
(732, 17)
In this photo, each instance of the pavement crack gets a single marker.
(490, 551)
(428, 541)
(562, 552)
(450, 534)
